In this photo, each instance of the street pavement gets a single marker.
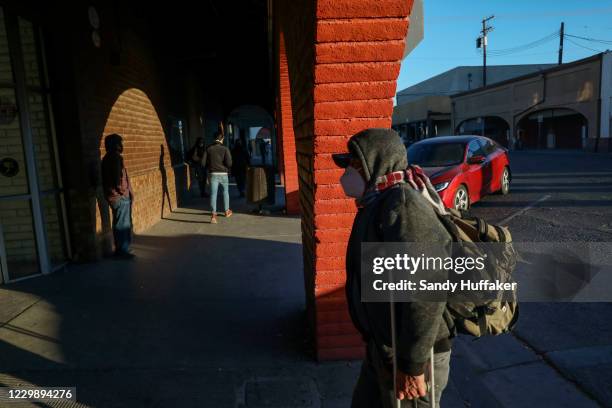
(555, 197)
(213, 315)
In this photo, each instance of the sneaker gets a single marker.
(228, 213)
(124, 255)
(213, 219)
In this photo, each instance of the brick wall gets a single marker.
(284, 124)
(117, 88)
(146, 158)
(296, 20)
(344, 84)
(359, 46)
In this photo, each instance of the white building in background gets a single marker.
(424, 109)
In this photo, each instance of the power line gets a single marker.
(524, 47)
(590, 39)
(582, 46)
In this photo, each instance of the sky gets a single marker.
(452, 26)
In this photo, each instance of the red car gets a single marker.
(463, 169)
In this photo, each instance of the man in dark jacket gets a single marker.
(218, 161)
(398, 214)
(118, 193)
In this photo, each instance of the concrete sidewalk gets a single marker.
(206, 316)
(213, 316)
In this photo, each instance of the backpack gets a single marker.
(488, 317)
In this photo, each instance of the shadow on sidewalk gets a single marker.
(193, 310)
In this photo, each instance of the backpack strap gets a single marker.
(482, 227)
(482, 319)
(503, 237)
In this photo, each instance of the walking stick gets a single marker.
(393, 345)
(432, 379)
(432, 382)
(397, 401)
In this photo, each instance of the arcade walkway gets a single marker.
(206, 316)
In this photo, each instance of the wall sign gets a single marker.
(8, 112)
(95, 38)
(94, 18)
(9, 167)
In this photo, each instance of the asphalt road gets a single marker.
(555, 197)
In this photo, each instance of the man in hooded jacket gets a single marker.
(118, 192)
(397, 214)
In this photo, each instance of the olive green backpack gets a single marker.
(488, 317)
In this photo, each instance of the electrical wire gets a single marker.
(583, 46)
(609, 42)
(524, 47)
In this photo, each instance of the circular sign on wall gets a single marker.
(8, 112)
(9, 167)
(94, 18)
(95, 37)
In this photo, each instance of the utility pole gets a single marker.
(482, 42)
(561, 35)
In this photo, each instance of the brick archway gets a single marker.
(146, 156)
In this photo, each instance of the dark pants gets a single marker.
(200, 175)
(240, 176)
(374, 387)
(122, 224)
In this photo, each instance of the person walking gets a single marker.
(118, 192)
(240, 162)
(218, 162)
(195, 156)
(391, 210)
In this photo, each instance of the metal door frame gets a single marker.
(34, 196)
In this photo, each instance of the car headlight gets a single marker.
(441, 186)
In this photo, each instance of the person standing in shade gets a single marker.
(218, 161)
(118, 193)
(240, 159)
(195, 156)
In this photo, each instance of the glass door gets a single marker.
(32, 217)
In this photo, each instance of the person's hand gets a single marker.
(409, 386)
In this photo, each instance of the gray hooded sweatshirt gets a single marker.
(399, 214)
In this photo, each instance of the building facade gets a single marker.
(424, 110)
(313, 72)
(564, 107)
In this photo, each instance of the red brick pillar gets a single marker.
(343, 58)
(358, 49)
(286, 136)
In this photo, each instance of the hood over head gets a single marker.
(380, 151)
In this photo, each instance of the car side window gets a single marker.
(475, 149)
(489, 147)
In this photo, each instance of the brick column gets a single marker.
(358, 49)
(343, 59)
(286, 136)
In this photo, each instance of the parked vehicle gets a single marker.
(463, 169)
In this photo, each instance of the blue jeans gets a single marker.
(122, 224)
(217, 179)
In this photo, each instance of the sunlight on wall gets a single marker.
(146, 157)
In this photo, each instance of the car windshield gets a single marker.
(436, 154)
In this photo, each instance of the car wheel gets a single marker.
(461, 201)
(505, 182)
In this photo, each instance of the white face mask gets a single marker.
(352, 182)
